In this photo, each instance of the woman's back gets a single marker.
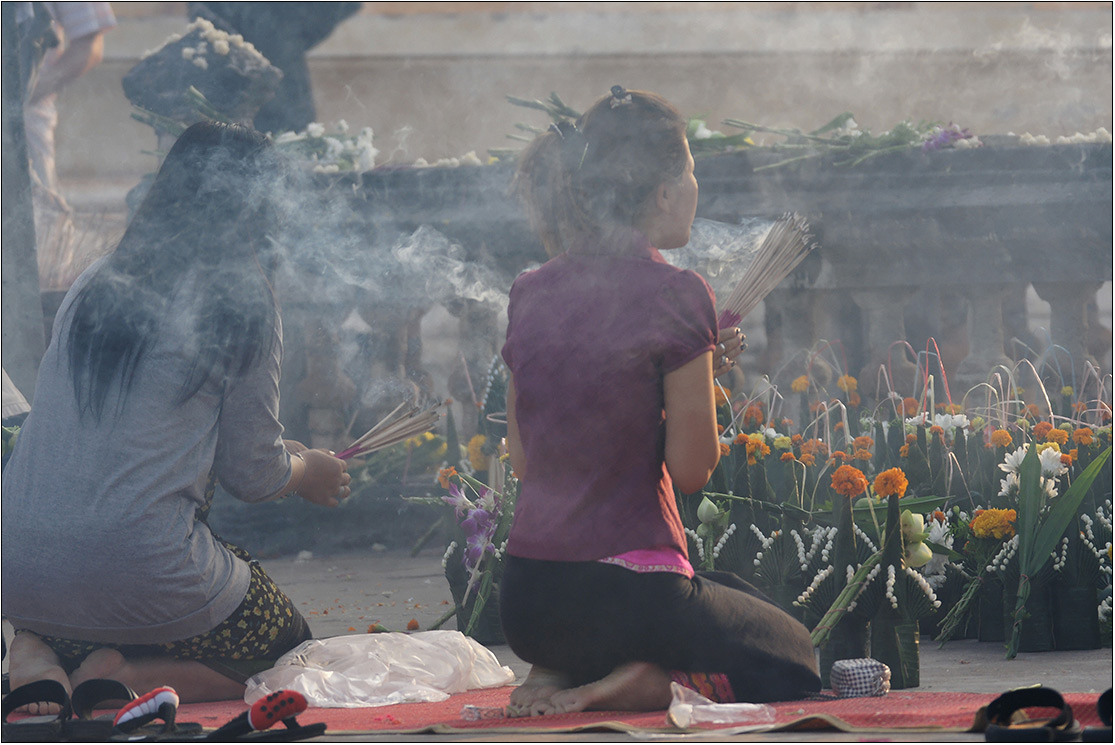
(589, 341)
(99, 530)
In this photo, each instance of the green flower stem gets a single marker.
(952, 621)
(839, 609)
(445, 617)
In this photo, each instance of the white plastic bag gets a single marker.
(688, 708)
(381, 669)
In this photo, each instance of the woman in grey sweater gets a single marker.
(161, 378)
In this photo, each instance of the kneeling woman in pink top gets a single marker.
(610, 406)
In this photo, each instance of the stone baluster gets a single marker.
(985, 337)
(883, 325)
(1068, 328)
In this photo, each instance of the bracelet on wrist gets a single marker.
(294, 492)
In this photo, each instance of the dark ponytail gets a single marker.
(579, 181)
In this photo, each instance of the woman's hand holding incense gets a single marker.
(326, 481)
(730, 344)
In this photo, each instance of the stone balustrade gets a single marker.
(905, 235)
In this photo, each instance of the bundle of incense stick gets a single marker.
(407, 420)
(788, 242)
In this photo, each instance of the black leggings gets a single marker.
(584, 619)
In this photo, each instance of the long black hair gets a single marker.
(203, 226)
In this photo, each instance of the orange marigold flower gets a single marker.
(937, 430)
(994, 523)
(1066, 459)
(911, 438)
(1105, 411)
(891, 481)
(1074, 453)
(1041, 429)
(853, 399)
(863, 442)
(444, 475)
(741, 438)
(808, 459)
(1082, 436)
(815, 407)
(796, 438)
(725, 449)
(954, 409)
(800, 384)
(861, 454)
(1032, 410)
(756, 448)
(849, 481)
(412, 624)
(720, 396)
(910, 406)
(939, 516)
(1079, 407)
(753, 416)
(1058, 436)
(1000, 438)
(846, 383)
(904, 451)
(787, 456)
(838, 426)
(839, 455)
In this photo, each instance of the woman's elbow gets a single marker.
(693, 472)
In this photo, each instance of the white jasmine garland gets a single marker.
(448, 552)
(924, 585)
(801, 548)
(890, 587)
(864, 537)
(723, 539)
(808, 593)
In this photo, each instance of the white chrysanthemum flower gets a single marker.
(201, 62)
(315, 129)
(330, 168)
(334, 148)
(220, 46)
(188, 52)
(471, 159)
(916, 421)
(951, 421)
(1009, 485)
(1051, 462)
(1013, 460)
(341, 126)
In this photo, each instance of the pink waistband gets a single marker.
(658, 559)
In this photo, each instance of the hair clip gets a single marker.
(620, 97)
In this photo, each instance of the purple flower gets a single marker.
(942, 137)
(457, 500)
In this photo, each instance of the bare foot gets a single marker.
(100, 663)
(33, 660)
(636, 686)
(540, 685)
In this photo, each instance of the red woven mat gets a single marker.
(908, 711)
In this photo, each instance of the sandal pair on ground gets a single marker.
(1007, 719)
(148, 718)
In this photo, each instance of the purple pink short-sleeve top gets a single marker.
(590, 339)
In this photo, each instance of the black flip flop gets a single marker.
(1103, 708)
(87, 697)
(159, 704)
(258, 723)
(46, 728)
(1007, 721)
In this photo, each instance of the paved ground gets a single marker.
(345, 593)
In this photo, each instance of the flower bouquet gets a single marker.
(473, 559)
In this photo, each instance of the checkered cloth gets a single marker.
(859, 677)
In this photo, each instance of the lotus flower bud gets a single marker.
(918, 555)
(707, 512)
(913, 527)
